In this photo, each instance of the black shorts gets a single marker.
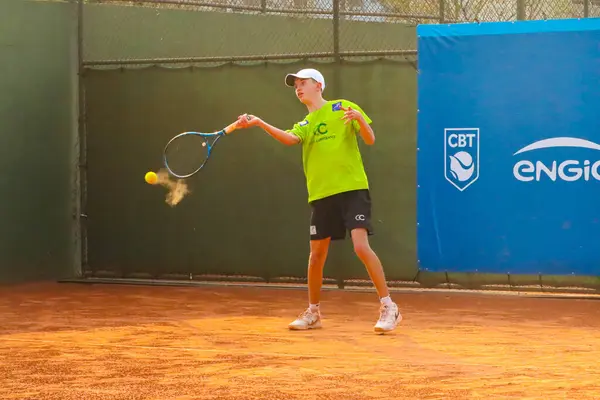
(334, 216)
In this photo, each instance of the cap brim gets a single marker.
(291, 78)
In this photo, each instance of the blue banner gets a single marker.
(509, 147)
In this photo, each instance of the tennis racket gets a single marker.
(187, 153)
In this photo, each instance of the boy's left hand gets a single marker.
(351, 115)
(247, 120)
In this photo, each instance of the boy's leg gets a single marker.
(326, 222)
(358, 221)
(362, 248)
(316, 263)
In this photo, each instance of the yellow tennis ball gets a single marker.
(151, 177)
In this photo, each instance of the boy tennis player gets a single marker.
(338, 189)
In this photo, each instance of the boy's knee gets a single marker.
(317, 258)
(318, 253)
(362, 250)
(360, 241)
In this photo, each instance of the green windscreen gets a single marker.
(37, 126)
(247, 212)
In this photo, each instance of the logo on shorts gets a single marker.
(313, 230)
(359, 217)
(461, 156)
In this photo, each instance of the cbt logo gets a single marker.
(461, 156)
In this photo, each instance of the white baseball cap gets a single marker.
(305, 74)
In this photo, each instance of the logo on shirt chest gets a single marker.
(321, 132)
(321, 129)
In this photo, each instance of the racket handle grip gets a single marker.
(232, 127)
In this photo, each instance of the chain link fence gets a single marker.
(122, 32)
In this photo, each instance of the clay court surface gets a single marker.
(70, 341)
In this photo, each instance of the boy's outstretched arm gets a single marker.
(246, 121)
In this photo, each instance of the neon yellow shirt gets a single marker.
(330, 154)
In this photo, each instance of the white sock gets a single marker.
(387, 301)
(314, 307)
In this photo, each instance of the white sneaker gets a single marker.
(389, 318)
(307, 320)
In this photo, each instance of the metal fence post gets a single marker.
(521, 10)
(82, 148)
(336, 49)
(337, 261)
(336, 29)
(442, 11)
(586, 8)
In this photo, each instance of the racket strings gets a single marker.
(186, 154)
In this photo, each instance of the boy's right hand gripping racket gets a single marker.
(187, 153)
